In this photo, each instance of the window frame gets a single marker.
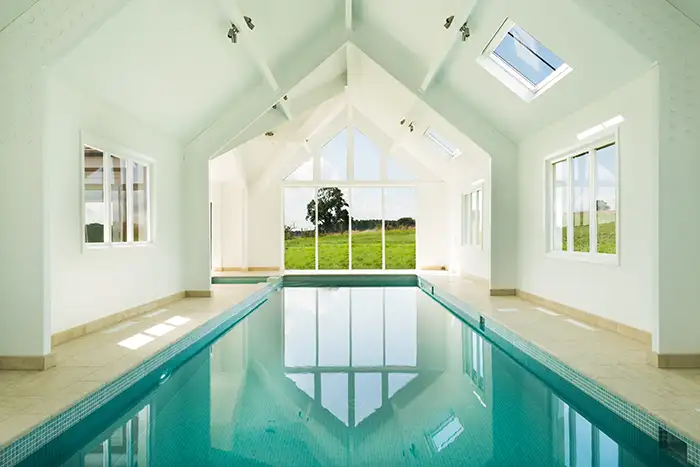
(467, 237)
(590, 147)
(509, 75)
(110, 149)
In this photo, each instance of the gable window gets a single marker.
(442, 143)
(473, 218)
(521, 62)
(582, 202)
(116, 198)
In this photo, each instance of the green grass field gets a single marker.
(606, 238)
(366, 251)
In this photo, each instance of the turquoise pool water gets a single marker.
(352, 377)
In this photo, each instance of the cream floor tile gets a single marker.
(17, 425)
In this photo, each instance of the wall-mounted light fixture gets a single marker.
(233, 33)
(448, 21)
(465, 32)
(249, 22)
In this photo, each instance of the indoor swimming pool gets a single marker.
(349, 376)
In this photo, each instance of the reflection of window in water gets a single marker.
(446, 433)
(127, 446)
(473, 347)
(350, 349)
(578, 442)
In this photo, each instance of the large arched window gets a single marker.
(349, 206)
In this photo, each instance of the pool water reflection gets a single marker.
(354, 376)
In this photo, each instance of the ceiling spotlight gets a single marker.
(285, 98)
(269, 133)
(465, 32)
(402, 121)
(249, 22)
(233, 33)
(448, 21)
(410, 126)
(274, 106)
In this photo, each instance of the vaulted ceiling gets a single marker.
(170, 64)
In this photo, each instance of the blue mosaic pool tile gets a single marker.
(21, 448)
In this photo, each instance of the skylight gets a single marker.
(442, 143)
(446, 433)
(521, 62)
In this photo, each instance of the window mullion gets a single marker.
(107, 162)
(592, 208)
(129, 201)
(570, 205)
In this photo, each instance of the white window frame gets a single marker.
(509, 76)
(587, 147)
(110, 149)
(467, 235)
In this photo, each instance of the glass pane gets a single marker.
(299, 327)
(333, 224)
(400, 228)
(396, 172)
(304, 381)
(608, 451)
(560, 205)
(606, 198)
(583, 442)
(581, 202)
(398, 381)
(401, 326)
(334, 327)
(303, 173)
(140, 202)
(95, 208)
(117, 187)
(368, 158)
(368, 395)
(367, 327)
(334, 158)
(299, 228)
(366, 210)
(334, 395)
(527, 56)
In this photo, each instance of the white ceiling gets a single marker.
(169, 63)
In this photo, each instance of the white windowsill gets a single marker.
(108, 246)
(611, 260)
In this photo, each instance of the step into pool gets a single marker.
(351, 376)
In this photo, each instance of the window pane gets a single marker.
(305, 172)
(583, 442)
(95, 208)
(140, 202)
(606, 198)
(401, 326)
(368, 158)
(368, 395)
(117, 184)
(299, 327)
(333, 223)
(395, 171)
(299, 228)
(366, 208)
(560, 205)
(334, 327)
(367, 327)
(581, 205)
(527, 56)
(400, 228)
(334, 158)
(334, 395)
(608, 451)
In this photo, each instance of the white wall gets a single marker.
(468, 260)
(93, 283)
(431, 225)
(265, 227)
(624, 292)
(229, 205)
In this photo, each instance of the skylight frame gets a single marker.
(509, 75)
(442, 142)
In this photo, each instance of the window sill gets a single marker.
(611, 260)
(109, 246)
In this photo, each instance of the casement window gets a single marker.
(521, 62)
(116, 198)
(473, 218)
(583, 202)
